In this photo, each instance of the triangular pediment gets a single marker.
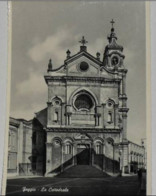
(85, 54)
(83, 64)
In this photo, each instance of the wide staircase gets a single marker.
(82, 171)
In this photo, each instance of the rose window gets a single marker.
(83, 102)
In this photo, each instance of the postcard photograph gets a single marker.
(77, 122)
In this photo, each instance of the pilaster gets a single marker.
(124, 157)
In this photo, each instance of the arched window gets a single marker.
(56, 143)
(110, 108)
(110, 141)
(68, 148)
(56, 116)
(98, 148)
(109, 118)
(56, 101)
(110, 104)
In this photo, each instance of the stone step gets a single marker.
(83, 171)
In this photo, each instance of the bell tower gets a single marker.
(113, 61)
(113, 54)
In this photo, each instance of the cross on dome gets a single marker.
(112, 22)
(83, 41)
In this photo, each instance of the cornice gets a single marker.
(115, 52)
(82, 130)
(123, 97)
(14, 124)
(81, 78)
(123, 109)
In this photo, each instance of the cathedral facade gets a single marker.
(85, 122)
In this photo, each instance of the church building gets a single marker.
(85, 121)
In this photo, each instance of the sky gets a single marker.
(44, 30)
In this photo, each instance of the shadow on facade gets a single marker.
(134, 167)
(37, 160)
(99, 161)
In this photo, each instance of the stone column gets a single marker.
(68, 117)
(48, 158)
(49, 113)
(104, 161)
(124, 121)
(129, 160)
(137, 158)
(121, 160)
(102, 115)
(63, 113)
(74, 153)
(124, 156)
(68, 114)
(92, 154)
(96, 120)
(20, 146)
(124, 85)
(134, 157)
(115, 115)
(62, 160)
(124, 108)
(121, 87)
(97, 115)
(139, 163)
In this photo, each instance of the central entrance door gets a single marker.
(83, 154)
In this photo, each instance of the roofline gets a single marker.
(40, 110)
(57, 69)
(20, 120)
(135, 144)
(72, 58)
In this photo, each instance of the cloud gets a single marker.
(33, 85)
(53, 46)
